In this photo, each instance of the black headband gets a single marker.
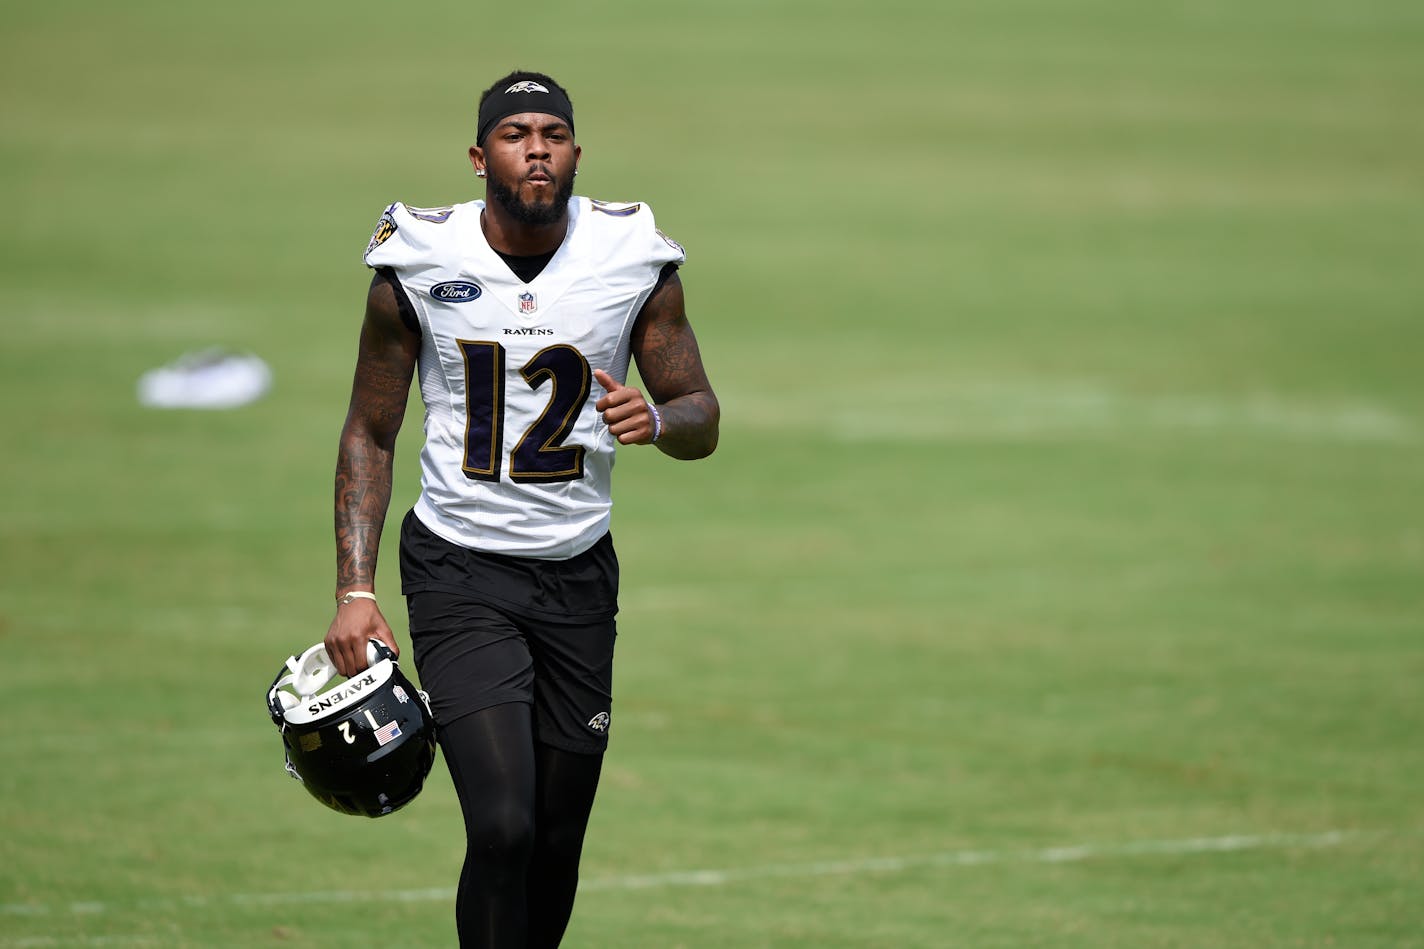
(525, 96)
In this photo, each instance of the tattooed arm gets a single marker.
(384, 365)
(671, 366)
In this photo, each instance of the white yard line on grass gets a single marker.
(939, 410)
(681, 878)
(969, 858)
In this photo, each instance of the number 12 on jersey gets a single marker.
(540, 455)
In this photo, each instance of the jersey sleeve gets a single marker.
(662, 250)
(629, 250)
(378, 253)
(405, 237)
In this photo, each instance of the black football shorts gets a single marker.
(471, 656)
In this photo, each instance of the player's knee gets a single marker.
(503, 832)
(562, 837)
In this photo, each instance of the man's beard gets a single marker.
(534, 215)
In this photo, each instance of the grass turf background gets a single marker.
(1068, 493)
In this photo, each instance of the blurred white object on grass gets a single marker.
(210, 379)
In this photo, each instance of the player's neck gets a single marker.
(509, 236)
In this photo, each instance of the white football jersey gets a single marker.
(516, 460)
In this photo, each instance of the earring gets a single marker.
(479, 174)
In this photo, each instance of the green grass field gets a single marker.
(1059, 580)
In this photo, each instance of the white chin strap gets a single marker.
(311, 672)
(310, 675)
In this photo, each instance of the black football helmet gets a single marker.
(361, 747)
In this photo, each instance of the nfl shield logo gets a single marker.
(527, 303)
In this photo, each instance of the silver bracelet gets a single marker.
(657, 421)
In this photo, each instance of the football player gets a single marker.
(521, 313)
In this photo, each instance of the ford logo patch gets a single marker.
(455, 291)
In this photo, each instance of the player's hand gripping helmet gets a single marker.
(361, 747)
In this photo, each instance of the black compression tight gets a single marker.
(526, 806)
